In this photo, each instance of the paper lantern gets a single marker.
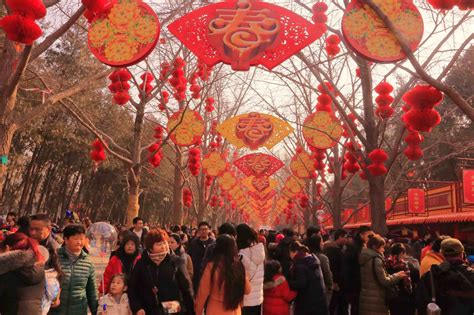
(187, 130)
(322, 130)
(126, 35)
(244, 33)
(368, 36)
(20, 29)
(421, 116)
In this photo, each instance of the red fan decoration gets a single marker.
(420, 100)
(244, 33)
(98, 152)
(194, 161)
(187, 198)
(443, 4)
(20, 25)
(377, 167)
(120, 86)
(384, 100)
(258, 164)
(332, 45)
(413, 151)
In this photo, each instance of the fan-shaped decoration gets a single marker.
(258, 196)
(250, 183)
(369, 37)
(227, 180)
(125, 35)
(244, 33)
(214, 164)
(302, 165)
(258, 164)
(254, 130)
(187, 130)
(322, 130)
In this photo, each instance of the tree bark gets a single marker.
(6, 135)
(377, 204)
(133, 206)
(177, 216)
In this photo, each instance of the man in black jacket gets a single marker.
(453, 281)
(197, 249)
(40, 229)
(139, 231)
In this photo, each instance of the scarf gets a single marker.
(158, 257)
(127, 263)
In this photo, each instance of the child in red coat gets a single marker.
(277, 293)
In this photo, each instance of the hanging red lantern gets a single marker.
(155, 158)
(420, 115)
(377, 167)
(319, 17)
(194, 161)
(332, 45)
(209, 104)
(443, 4)
(119, 86)
(413, 151)
(98, 152)
(384, 100)
(187, 197)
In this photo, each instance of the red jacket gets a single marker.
(113, 267)
(277, 296)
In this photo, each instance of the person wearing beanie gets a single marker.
(453, 281)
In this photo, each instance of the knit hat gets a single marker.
(451, 247)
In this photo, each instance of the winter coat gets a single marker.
(212, 296)
(431, 258)
(336, 259)
(454, 288)
(142, 238)
(253, 259)
(78, 285)
(169, 280)
(112, 307)
(52, 246)
(22, 283)
(114, 267)
(404, 303)
(278, 296)
(196, 250)
(373, 290)
(327, 275)
(306, 278)
(187, 259)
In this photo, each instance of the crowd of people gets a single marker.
(233, 270)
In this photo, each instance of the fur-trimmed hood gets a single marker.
(16, 259)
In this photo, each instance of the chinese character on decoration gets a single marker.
(254, 130)
(368, 36)
(187, 130)
(244, 33)
(322, 130)
(258, 164)
(468, 185)
(125, 35)
(416, 200)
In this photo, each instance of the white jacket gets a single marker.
(253, 259)
(112, 307)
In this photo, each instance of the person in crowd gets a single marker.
(40, 230)
(419, 244)
(314, 244)
(224, 282)
(426, 248)
(404, 302)
(115, 302)
(225, 228)
(352, 281)
(11, 222)
(311, 231)
(197, 249)
(453, 282)
(433, 257)
(139, 231)
(23, 225)
(176, 246)
(282, 252)
(334, 250)
(22, 279)
(252, 254)
(159, 280)
(121, 236)
(122, 262)
(78, 285)
(306, 278)
(374, 278)
(277, 292)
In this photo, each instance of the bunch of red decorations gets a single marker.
(216, 201)
(413, 151)
(120, 86)
(178, 81)
(332, 45)
(98, 151)
(319, 156)
(420, 114)
(384, 100)
(156, 154)
(187, 198)
(20, 25)
(146, 85)
(209, 104)
(346, 127)
(204, 71)
(208, 181)
(351, 165)
(304, 200)
(449, 4)
(194, 161)
(377, 167)
(94, 8)
(165, 97)
(319, 17)
(324, 99)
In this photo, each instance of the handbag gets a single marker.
(392, 292)
(433, 308)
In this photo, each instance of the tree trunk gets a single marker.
(201, 199)
(6, 135)
(377, 204)
(133, 193)
(177, 216)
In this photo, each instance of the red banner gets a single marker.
(468, 185)
(416, 200)
(388, 203)
(364, 214)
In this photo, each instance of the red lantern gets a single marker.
(443, 4)
(332, 45)
(194, 161)
(420, 115)
(384, 100)
(119, 86)
(20, 29)
(377, 167)
(187, 197)
(98, 153)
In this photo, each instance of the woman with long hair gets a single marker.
(223, 283)
(176, 245)
(22, 280)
